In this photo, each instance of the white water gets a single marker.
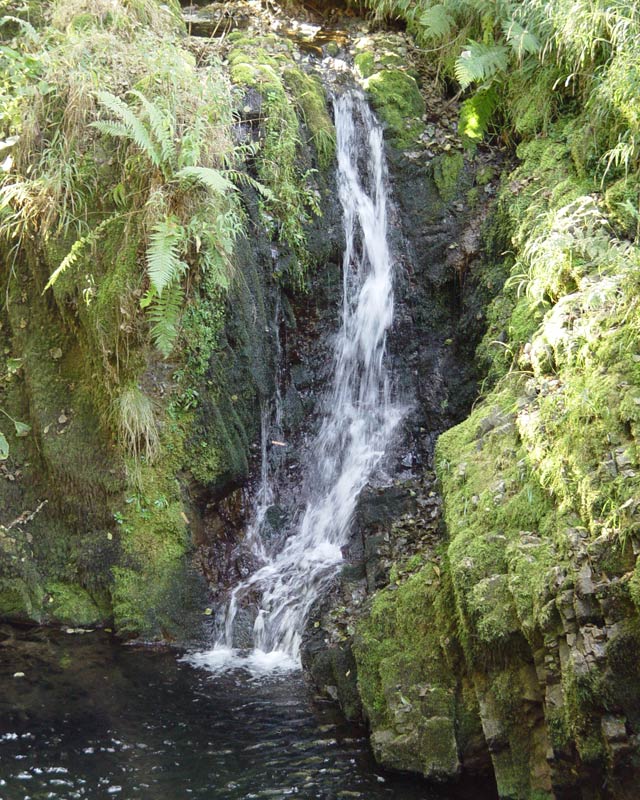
(357, 427)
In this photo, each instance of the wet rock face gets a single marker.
(422, 718)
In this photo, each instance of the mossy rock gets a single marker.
(622, 203)
(20, 600)
(396, 97)
(69, 604)
(408, 690)
(447, 169)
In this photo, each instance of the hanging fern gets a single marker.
(210, 178)
(162, 127)
(166, 244)
(78, 247)
(475, 114)
(129, 126)
(242, 178)
(164, 314)
(522, 41)
(212, 226)
(480, 62)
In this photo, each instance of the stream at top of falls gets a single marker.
(358, 423)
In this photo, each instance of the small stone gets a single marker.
(18, 674)
(56, 353)
(614, 729)
(63, 418)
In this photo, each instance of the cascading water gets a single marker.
(359, 417)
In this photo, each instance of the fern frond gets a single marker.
(436, 22)
(164, 265)
(480, 62)
(161, 126)
(77, 248)
(210, 178)
(523, 42)
(136, 130)
(164, 315)
(243, 178)
(115, 129)
(475, 113)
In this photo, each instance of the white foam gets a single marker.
(256, 662)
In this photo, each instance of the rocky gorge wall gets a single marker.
(502, 635)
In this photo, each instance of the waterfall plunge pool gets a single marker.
(92, 718)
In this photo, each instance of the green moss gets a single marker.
(446, 173)
(279, 160)
(70, 604)
(20, 601)
(365, 63)
(407, 688)
(152, 528)
(621, 201)
(397, 99)
(311, 98)
(379, 52)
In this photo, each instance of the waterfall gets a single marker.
(359, 415)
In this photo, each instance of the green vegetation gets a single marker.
(542, 478)
(266, 64)
(523, 65)
(396, 97)
(124, 206)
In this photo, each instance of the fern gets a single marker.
(244, 178)
(164, 314)
(480, 62)
(161, 126)
(475, 114)
(166, 243)
(130, 126)
(210, 178)
(436, 22)
(522, 41)
(77, 248)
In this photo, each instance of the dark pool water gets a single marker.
(91, 718)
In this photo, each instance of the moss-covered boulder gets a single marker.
(395, 96)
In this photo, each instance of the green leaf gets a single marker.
(521, 40)
(76, 249)
(480, 62)
(148, 298)
(164, 265)
(475, 114)
(212, 179)
(162, 127)
(22, 429)
(247, 180)
(4, 447)
(164, 315)
(436, 22)
(134, 128)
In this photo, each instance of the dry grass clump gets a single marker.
(136, 423)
